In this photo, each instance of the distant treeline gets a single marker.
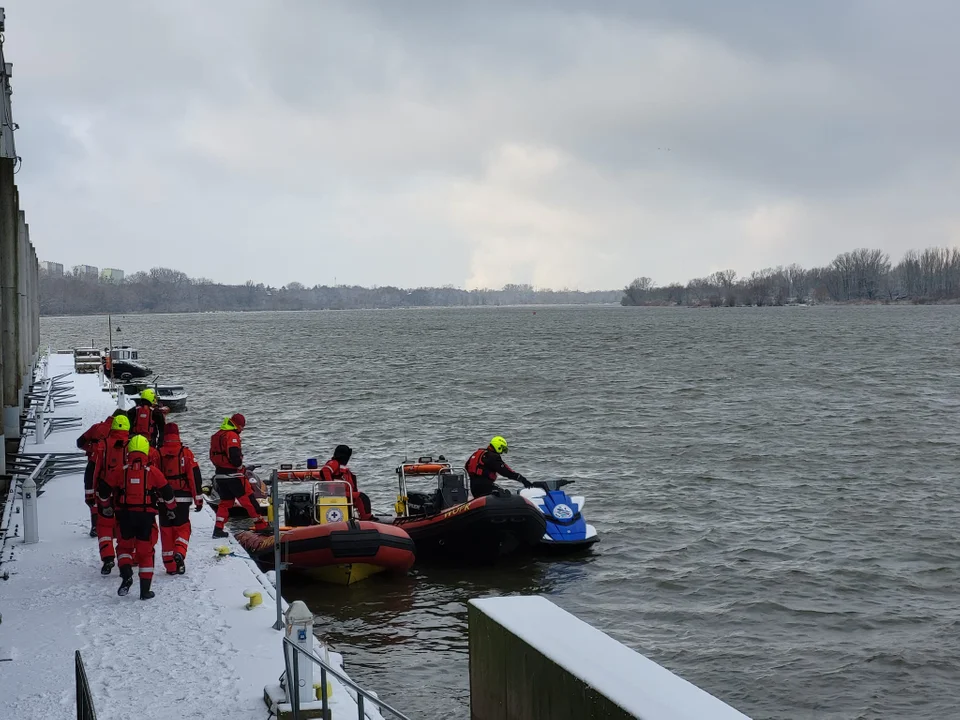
(859, 276)
(165, 290)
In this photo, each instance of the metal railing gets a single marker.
(85, 709)
(292, 664)
(42, 399)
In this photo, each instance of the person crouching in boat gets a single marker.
(226, 454)
(486, 464)
(180, 468)
(131, 497)
(336, 469)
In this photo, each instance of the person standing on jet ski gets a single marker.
(486, 464)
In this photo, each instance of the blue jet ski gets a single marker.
(567, 531)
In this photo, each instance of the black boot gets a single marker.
(220, 532)
(127, 574)
(107, 566)
(93, 531)
(178, 559)
(145, 592)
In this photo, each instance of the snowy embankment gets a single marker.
(194, 651)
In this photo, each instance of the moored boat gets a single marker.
(340, 553)
(173, 397)
(123, 363)
(321, 535)
(447, 525)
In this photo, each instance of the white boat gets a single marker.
(172, 396)
(87, 359)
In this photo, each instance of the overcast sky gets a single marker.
(560, 143)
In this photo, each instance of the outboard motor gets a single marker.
(298, 509)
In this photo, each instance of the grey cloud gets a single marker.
(405, 142)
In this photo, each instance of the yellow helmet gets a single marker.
(499, 444)
(138, 443)
(121, 422)
(149, 395)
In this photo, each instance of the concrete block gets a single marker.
(531, 659)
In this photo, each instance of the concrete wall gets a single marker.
(531, 659)
(19, 278)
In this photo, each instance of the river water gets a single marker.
(775, 488)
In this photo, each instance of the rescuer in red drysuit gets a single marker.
(486, 464)
(108, 462)
(147, 418)
(131, 496)
(336, 469)
(91, 442)
(226, 454)
(180, 469)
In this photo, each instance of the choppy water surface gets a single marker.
(775, 488)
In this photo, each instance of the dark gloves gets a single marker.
(90, 500)
(198, 506)
(523, 481)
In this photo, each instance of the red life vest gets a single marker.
(333, 470)
(175, 467)
(135, 491)
(143, 423)
(112, 457)
(95, 434)
(474, 465)
(220, 444)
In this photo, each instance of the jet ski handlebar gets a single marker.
(548, 485)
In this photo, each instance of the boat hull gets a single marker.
(340, 553)
(176, 405)
(479, 531)
(565, 547)
(125, 369)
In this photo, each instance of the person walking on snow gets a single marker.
(91, 442)
(180, 469)
(131, 497)
(336, 469)
(147, 418)
(108, 462)
(486, 464)
(226, 454)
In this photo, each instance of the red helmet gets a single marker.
(171, 429)
(239, 420)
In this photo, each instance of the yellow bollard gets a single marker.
(317, 687)
(254, 597)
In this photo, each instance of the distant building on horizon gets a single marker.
(86, 272)
(53, 269)
(111, 275)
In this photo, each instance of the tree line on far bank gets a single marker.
(166, 290)
(862, 275)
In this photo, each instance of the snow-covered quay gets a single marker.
(194, 651)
